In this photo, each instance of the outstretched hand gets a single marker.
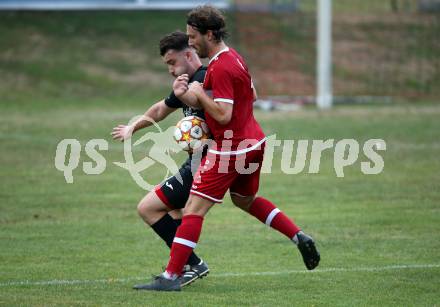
(122, 132)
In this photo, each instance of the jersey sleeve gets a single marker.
(222, 82)
(199, 76)
(173, 102)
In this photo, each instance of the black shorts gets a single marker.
(172, 192)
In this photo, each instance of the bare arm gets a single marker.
(193, 94)
(180, 88)
(156, 113)
(220, 111)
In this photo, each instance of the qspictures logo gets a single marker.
(346, 153)
(68, 155)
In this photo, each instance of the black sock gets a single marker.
(166, 228)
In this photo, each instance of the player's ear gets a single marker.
(209, 35)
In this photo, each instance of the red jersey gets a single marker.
(228, 81)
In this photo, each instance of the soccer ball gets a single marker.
(190, 133)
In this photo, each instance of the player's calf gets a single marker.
(242, 202)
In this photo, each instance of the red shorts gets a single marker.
(238, 173)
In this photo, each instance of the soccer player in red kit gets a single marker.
(234, 163)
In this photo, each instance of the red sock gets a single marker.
(184, 242)
(269, 214)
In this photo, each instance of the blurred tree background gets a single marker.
(380, 48)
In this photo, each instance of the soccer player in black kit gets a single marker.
(161, 208)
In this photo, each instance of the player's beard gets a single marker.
(202, 51)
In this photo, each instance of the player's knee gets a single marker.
(142, 208)
(242, 202)
(197, 206)
(189, 208)
(146, 207)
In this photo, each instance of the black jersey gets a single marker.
(173, 102)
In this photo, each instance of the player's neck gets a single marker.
(216, 49)
(194, 67)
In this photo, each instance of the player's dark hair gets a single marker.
(207, 17)
(176, 40)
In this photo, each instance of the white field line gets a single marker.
(58, 282)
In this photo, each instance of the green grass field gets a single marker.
(68, 76)
(87, 239)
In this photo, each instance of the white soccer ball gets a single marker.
(190, 132)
